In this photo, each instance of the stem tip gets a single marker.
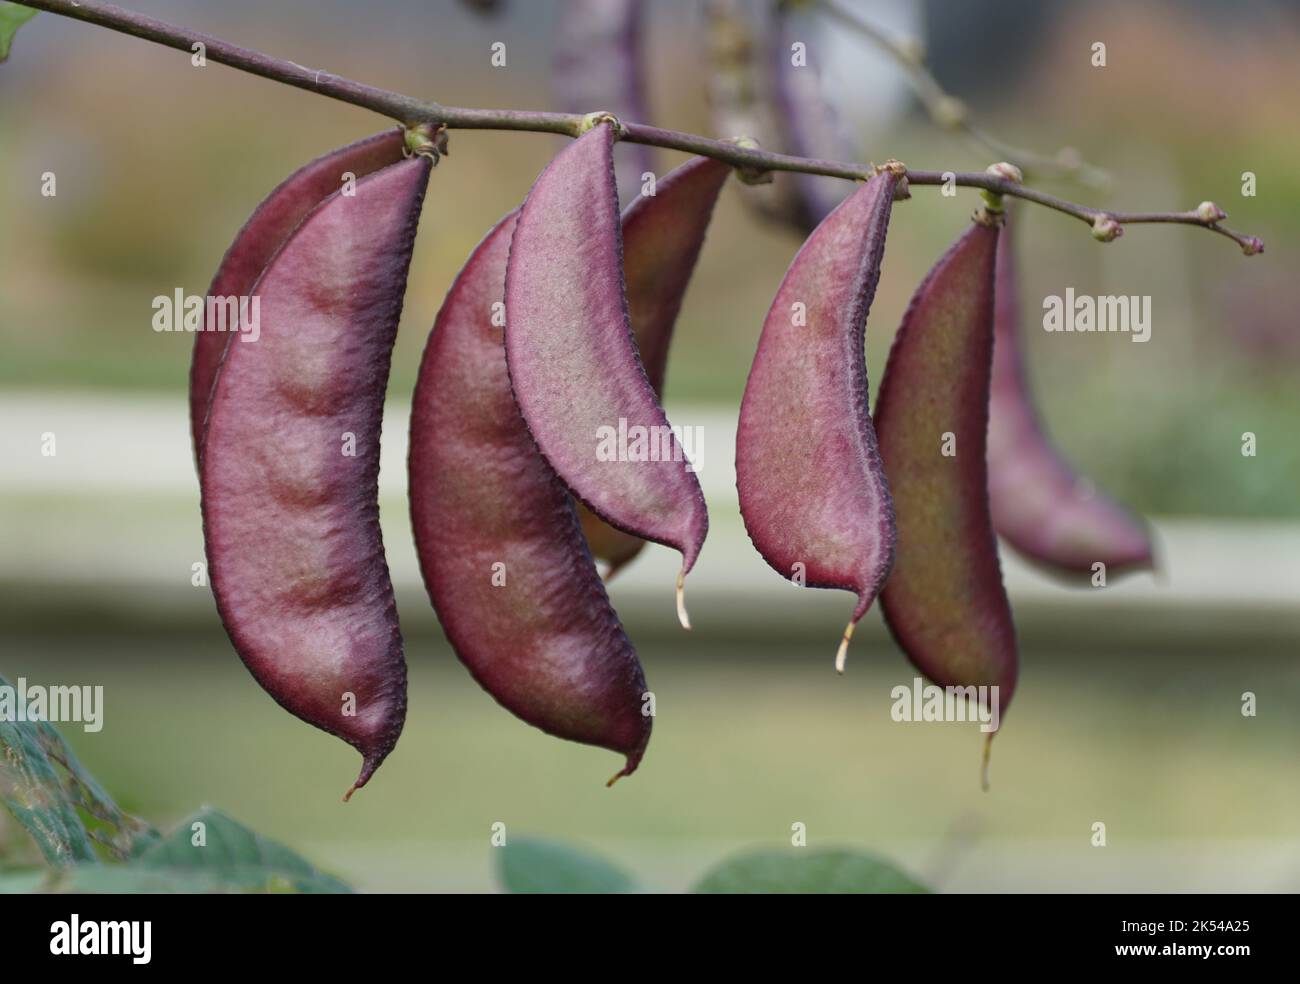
(842, 653)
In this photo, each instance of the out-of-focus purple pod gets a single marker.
(807, 122)
(599, 65)
(761, 87)
(740, 107)
(1040, 504)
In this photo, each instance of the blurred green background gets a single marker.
(1128, 711)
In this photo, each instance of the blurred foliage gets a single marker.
(830, 872)
(67, 813)
(529, 865)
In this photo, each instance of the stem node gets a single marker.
(593, 120)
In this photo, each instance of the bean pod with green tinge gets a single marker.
(944, 601)
(499, 544)
(573, 363)
(290, 466)
(812, 490)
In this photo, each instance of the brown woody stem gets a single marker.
(410, 111)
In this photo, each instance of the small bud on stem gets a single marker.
(751, 175)
(990, 213)
(1008, 171)
(427, 140)
(1210, 213)
(593, 120)
(1105, 229)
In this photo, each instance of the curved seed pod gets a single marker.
(499, 544)
(1040, 505)
(290, 468)
(812, 491)
(574, 366)
(662, 237)
(262, 235)
(598, 65)
(944, 601)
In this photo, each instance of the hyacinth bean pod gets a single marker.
(500, 547)
(944, 602)
(290, 467)
(1040, 504)
(573, 362)
(812, 490)
(662, 237)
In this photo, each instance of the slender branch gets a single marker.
(950, 112)
(410, 112)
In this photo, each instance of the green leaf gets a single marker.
(232, 858)
(125, 835)
(800, 872)
(33, 791)
(48, 791)
(12, 17)
(531, 866)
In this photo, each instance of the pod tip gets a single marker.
(633, 760)
(984, 761)
(681, 601)
(368, 767)
(842, 653)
